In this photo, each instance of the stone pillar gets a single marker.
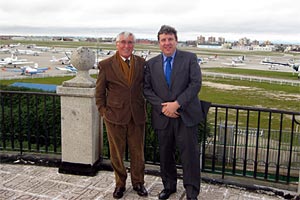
(80, 118)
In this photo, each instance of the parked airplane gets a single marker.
(68, 68)
(41, 48)
(239, 59)
(14, 45)
(295, 66)
(4, 50)
(26, 52)
(63, 60)
(274, 65)
(268, 61)
(13, 61)
(234, 63)
(28, 70)
(102, 52)
(31, 71)
(210, 58)
(144, 53)
(201, 61)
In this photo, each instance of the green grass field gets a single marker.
(265, 95)
(257, 94)
(253, 72)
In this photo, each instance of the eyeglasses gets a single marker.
(124, 42)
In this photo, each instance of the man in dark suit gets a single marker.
(120, 101)
(176, 111)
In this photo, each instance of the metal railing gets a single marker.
(30, 122)
(235, 140)
(253, 142)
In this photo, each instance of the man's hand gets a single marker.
(170, 109)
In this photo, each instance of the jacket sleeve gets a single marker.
(149, 94)
(101, 90)
(195, 80)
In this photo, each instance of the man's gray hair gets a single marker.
(126, 34)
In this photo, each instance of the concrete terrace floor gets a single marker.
(33, 182)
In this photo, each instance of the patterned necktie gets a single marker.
(128, 63)
(168, 70)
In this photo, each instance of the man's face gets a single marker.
(125, 46)
(167, 43)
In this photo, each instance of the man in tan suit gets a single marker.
(120, 101)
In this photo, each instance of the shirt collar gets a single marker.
(165, 57)
(125, 58)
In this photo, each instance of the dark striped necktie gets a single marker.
(128, 63)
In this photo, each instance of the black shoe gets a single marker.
(165, 193)
(141, 190)
(118, 193)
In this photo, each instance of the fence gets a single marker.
(255, 142)
(30, 122)
(239, 141)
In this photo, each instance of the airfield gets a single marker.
(45, 59)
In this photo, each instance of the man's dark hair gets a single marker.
(165, 29)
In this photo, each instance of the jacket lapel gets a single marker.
(117, 70)
(176, 66)
(136, 69)
(160, 71)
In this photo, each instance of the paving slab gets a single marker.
(33, 182)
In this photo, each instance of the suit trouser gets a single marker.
(186, 139)
(118, 135)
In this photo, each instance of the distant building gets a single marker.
(267, 43)
(242, 47)
(18, 38)
(5, 37)
(244, 41)
(255, 43)
(144, 41)
(210, 46)
(211, 40)
(200, 40)
(264, 48)
(191, 43)
(221, 40)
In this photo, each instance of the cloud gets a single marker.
(274, 18)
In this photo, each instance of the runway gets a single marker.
(44, 60)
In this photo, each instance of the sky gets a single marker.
(273, 20)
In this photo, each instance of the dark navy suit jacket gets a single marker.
(185, 86)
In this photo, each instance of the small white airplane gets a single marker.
(239, 59)
(13, 61)
(290, 63)
(212, 58)
(268, 61)
(28, 70)
(201, 61)
(144, 53)
(14, 45)
(295, 66)
(31, 71)
(41, 48)
(63, 60)
(234, 64)
(26, 52)
(4, 50)
(68, 68)
(102, 52)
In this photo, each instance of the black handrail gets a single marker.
(261, 143)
